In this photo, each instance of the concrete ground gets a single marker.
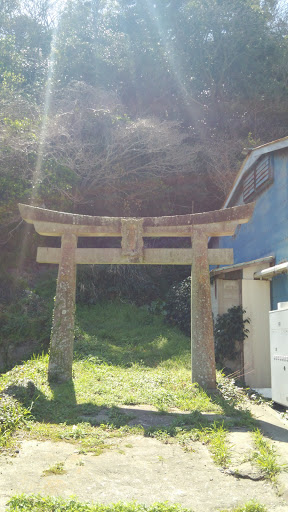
(147, 470)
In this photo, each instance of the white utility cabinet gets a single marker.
(278, 320)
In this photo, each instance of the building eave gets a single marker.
(270, 272)
(216, 272)
(250, 159)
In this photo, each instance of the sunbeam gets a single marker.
(37, 173)
(191, 104)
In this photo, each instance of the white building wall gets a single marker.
(256, 302)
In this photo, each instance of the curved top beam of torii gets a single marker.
(214, 223)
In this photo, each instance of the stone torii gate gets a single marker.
(198, 227)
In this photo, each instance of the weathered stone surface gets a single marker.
(225, 228)
(62, 337)
(217, 223)
(240, 213)
(198, 226)
(149, 256)
(202, 339)
(132, 241)
(246, 471)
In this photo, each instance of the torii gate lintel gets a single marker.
(198, 227)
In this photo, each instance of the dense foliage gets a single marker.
(230, 332)
(124, 107)
(178, 305)
(131, 107)
(25, 316)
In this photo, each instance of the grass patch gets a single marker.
(56, 469)
(123, 334)
(99, 385)
(88, 439)
(12, 416)
(214, 436)
(135, 358)
(251, 506)
(124, 355)
(265, 457)
(37, 503)
(218, 445)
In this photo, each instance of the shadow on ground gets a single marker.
(63, 408)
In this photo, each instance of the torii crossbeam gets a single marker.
(199, 227)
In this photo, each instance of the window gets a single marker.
(259, 177)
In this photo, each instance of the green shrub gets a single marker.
(229, 329)
(27, 319)
(178, 305)
(11, 288)
(12, 415)
(25, 315)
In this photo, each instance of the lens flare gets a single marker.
(37, 173)
(193, 107)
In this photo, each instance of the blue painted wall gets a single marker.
(267, 232)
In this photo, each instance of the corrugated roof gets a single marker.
(251, 158)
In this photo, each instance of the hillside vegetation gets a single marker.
(135, 108)
(124, 356)
(125, 108)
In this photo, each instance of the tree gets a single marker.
(151, 103)
(121, 165)
(24, 46)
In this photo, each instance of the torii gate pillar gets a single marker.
(197, 226)
(62, 333)
(202, 337)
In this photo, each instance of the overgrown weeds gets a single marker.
(251, 506)
(12, 416)
(218, 445)
(234, 396)
(56, 469)
(265, 457)
(214, 436)
(234, 401)
(38, 503)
